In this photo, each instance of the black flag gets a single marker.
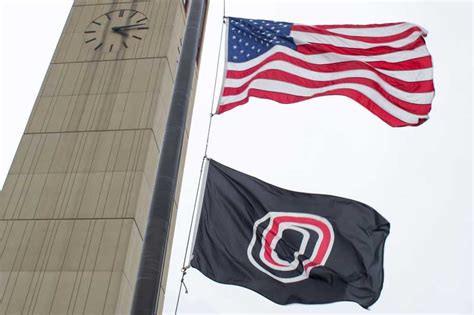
(290, 247)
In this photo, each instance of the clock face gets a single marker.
(116, 30)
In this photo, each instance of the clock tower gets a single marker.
(75, 203)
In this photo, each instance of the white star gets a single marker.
(278, 31)
(233, 37)
(241, 51)
(277, 42)
(235, 57)
(238, 31)
(240, 40)
(248, 55)
(235, 47)
(273, 27)
(246, 44)
(253, 47)
(258, 50)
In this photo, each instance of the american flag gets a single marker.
(385, 67)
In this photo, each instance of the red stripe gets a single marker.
(367, 39)
(355, 95)
(278, 75)
(311, 49)
(359, 25)
(413, 64)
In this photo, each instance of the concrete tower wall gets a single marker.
(74, 207)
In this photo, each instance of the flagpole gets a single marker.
(226, 45)
(196, 219)
(146, 296)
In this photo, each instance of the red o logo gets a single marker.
(287, 245)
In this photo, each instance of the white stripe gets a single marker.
(410, 75)
(328, 58)
(376, 31)
(416, 98)
(292, 89)
(306, 37)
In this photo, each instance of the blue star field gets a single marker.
(251, 38)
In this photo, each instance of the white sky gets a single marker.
(420, 179)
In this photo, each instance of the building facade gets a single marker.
(74, 207)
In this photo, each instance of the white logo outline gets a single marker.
(302, 228)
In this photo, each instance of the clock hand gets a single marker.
(121, 32)
(117, 28)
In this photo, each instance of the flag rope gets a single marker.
(185, 267)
